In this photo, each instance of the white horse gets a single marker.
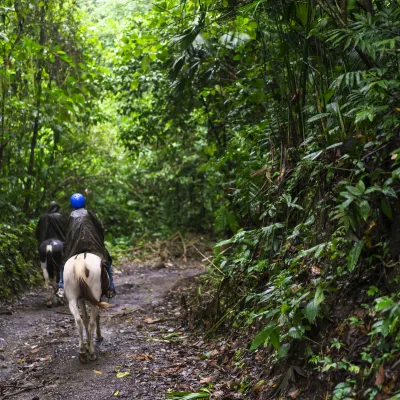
(82, 283)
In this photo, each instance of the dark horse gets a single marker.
(51, 253)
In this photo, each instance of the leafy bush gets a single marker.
(19, 265)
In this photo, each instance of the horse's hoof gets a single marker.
(83, 358)
(99, 339)
(93, 357)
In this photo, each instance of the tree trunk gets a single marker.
(36, 123)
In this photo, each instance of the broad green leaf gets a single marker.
(283, 350)
(271, 333)
(354, 255)
(360, 186)
(365, 209)
(311, 311)
(386, 208)
(384, 304)
(354, 190)
(260, 338)
(296, 332)
(318, 117)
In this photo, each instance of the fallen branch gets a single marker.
(64, 313)
(23, 389)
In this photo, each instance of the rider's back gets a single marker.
(84, 234)
(51, 226)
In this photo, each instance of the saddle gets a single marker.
(105, 279)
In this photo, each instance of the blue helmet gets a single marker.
(77, 201)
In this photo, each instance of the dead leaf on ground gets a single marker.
(123, 374)
(140, 357)
(35, 350)
(380, 376)
(151, 320)
(98, 372)
(206, 380)
(258, 386)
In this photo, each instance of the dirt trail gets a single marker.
(143, 341)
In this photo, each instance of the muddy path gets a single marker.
(144, 354)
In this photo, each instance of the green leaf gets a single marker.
(283, 350)
(365, 209)
(319, 296)
(384, 304)
(360, 186)
(354, 191)
(318, 117)
(275, 338)
(271, 333)
(311, 311)
(354, 255)
(260, 338)
(386, 208)
(296, 332)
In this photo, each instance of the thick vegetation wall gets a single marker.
(19, 266)
(285, 117)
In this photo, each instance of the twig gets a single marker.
(21, 391)
(16, 386)
(208, 259)
(184, 248)
(5, 312)
(64, 313)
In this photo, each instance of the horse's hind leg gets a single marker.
(73, 306)
(99, 338)
(85, 317)
(49, 292)
(94, 313)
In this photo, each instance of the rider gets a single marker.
(85, 233)
(51, 225)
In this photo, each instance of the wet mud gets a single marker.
(145, 352)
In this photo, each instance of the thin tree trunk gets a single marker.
(36, 123)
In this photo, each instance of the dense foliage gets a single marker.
(282, 119)
(273, 125)
(18, 260)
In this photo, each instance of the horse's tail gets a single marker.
(81, 273)
(49, 260)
